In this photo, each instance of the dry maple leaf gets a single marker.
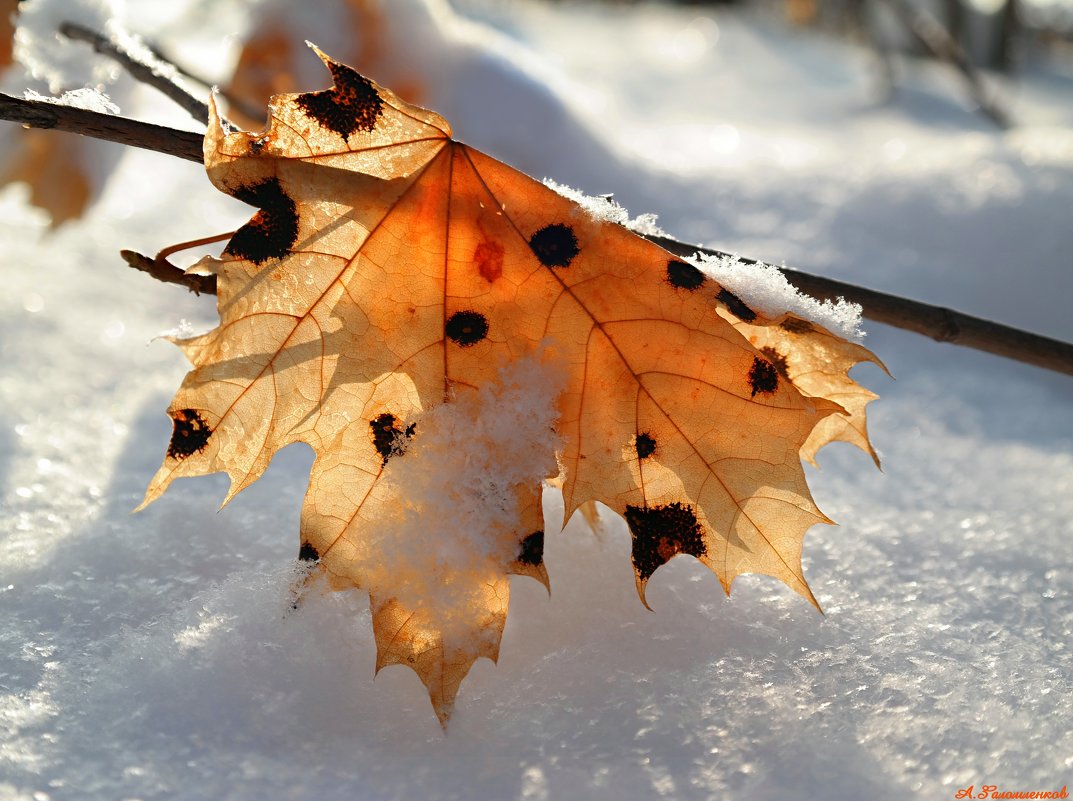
(392, 272)
(818, 363)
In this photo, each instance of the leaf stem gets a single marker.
(194, 243)
(935, 38)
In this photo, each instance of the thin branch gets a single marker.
(143, 66)
(166, 272)
(163, 270)
(124, 131)
(234, 102)
(939, 323)
(937, 40)
(936, 322)
(153, 68)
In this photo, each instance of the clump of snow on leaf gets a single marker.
(456, 490)
(764, 288)
(761, 286)
(605, 207)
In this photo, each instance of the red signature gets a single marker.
(989, 791)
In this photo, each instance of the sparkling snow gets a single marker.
(88, 99)
(156, 655)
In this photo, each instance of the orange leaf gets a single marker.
(818, 363)
(393, 273)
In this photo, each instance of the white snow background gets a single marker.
(155, 655)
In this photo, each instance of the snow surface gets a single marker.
(156, 655)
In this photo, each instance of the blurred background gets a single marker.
(925, 149)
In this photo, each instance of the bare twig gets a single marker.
(143, 66)
(234, 102)
(937, 322)
(937, 40)
(163, 270)
(40, 114)
(155, 69)
(941, 324)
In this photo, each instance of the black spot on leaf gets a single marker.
(467, 327)
(646, 445)
(555, 245)
(190, 434)
(532, 552)
(273, 230)
(777, 360)
(661, 532)
(388, 439)
(352, 105)
(796, 326)
(736, 306)
(684, 275)
(307, 553)
(763, 377)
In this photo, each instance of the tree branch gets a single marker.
(167, 273)
(929, 32)
(145, 63)
(939, 323)
(122, 130)
(234, 102)
(142, 66)
(936, 322)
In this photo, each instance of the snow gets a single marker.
(50, 57)
(157, 655)
(88, 99)
(450, 520)
(764, 288)
(607, 209)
